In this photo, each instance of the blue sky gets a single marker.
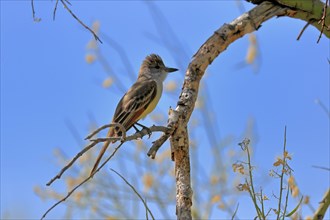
(45, 82)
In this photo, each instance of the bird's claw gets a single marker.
(148, 131)
(143, 127)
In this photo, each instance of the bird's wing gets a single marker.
(134, 103)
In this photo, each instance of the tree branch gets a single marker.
(64, 3)
(313, 12)
(75, 17)
(178, 118)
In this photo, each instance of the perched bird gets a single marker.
(139, 100)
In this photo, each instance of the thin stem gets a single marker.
(286, 202)
(136, 192)
(282, 178)
(253, 195)
(262, 204)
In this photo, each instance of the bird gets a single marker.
(140, 99)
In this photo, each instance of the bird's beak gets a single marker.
(169, 69)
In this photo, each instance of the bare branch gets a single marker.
(322, 168)
(58, 176)
(84, 181)
(94, 142)
(303, 30)
(120, 126)
(35, 19)
(322, 21)
(234, 214)
(55, 8)
(67, 1)
(82, 23)
(156, 145)
(33, 11)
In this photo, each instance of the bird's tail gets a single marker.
(104, 148)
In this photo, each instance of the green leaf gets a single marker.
(295, 209)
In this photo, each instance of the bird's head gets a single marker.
(154, 67)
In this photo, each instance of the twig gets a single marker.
(88, 147)
(245, 146)
(321, 104)
(139, 134)
(58, 176)
(303, 30)
(98, 140)
(123, 139)
(120, 126)
(172, 124)
(75, 17)
(67, 1)
(282, 177)
(262, 204)
(320, 167)
(287, 200)
(55, 8)
(156, 145)
(323, 20)
(35, 19)
(33, 12)
(84, 181)
(135, 191)
(146, 210)
(233, 217)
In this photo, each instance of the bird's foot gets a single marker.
(143, 127)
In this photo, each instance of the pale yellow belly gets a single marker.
(154, 102)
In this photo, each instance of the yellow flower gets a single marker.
(107, 82)
(148, 181)
(215, 199)
(238, 167)
(243, 187)
(90, 58)
(287, 155)
(306, 200)
(295, 191)
(291, 181)
(278, 162)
